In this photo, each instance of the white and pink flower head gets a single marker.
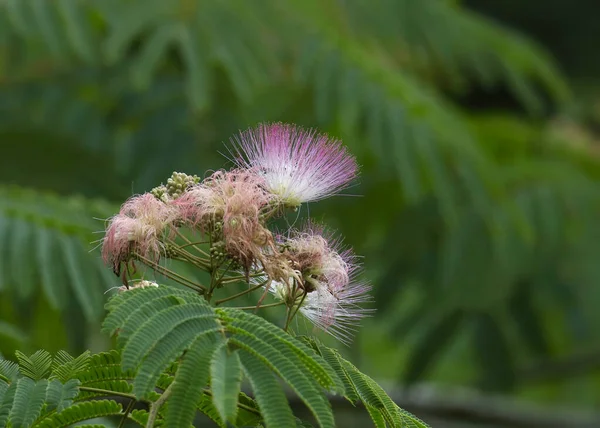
(137, 228)
(298, 165)
(237, 199)
(331, 298)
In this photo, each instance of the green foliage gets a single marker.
(226, 375)
(471, 213)
(51, 237)
(42, 391)
(359, 386)
(213, 349)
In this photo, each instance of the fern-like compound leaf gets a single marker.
(36, 366)
(226, 378)
(270, 397)
(28, 402)
(81, 412)
(191, 378)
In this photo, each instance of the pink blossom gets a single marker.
(332, 296)
(298, 165)
(138, 227)
(236, 198)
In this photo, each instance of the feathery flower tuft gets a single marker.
(298, 165)
(331, 296)
(137, 228)
(236, 199)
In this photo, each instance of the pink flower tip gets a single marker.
(298, 165)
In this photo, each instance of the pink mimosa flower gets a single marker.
(332, 296)
(298, 165)
(138, 227)
(235, 198)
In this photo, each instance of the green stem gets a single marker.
(235, 296)
(127, 412)
(270, 305)
(108, 392)
(220, 279)
(193, 243)
(190, 243)
(155, 407)
(231, 279)
(298, 306)
(196, 261)
(174, 276)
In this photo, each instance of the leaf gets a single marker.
(162, 323)
(153, 51)
(526, 317)
(190, 380)
(85, 287)
(292, 348)
(125, 305)
(81, 412)
(226, 378)
(306, 387)
(12, 332)
(22, 275)
(197, 73)
(54, 281)
(6, 403)
(29, 399)
(8, 370)
(268, 392)
(65, 367)
(494, 354)
(167, 350)
(44, 14)
(37, 366)
(430, 345)
(59, 396)
(376, 416)
(78, 30)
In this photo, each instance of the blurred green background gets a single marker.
(476, 124)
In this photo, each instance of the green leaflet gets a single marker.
(376, 416)
(59, 396)
(190, 380)
(165, 351)
(28, 402)
(382, 409)
(161, 324)
(8, 370)
(65, 367)
(81, 412)
(225, 382)
(37, 366)
(306, 387)
(7, 401)
(293, 349)
(270, 397)
(125, 305)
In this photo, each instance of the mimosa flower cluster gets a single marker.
(223, 225)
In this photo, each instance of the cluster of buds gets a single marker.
(278, 168)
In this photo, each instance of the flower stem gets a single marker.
(172, 275)
(270, 305)
(235, 296)
(196, 261)
(231, 279)
(193, 243)
(190, 243)
(155, 407)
